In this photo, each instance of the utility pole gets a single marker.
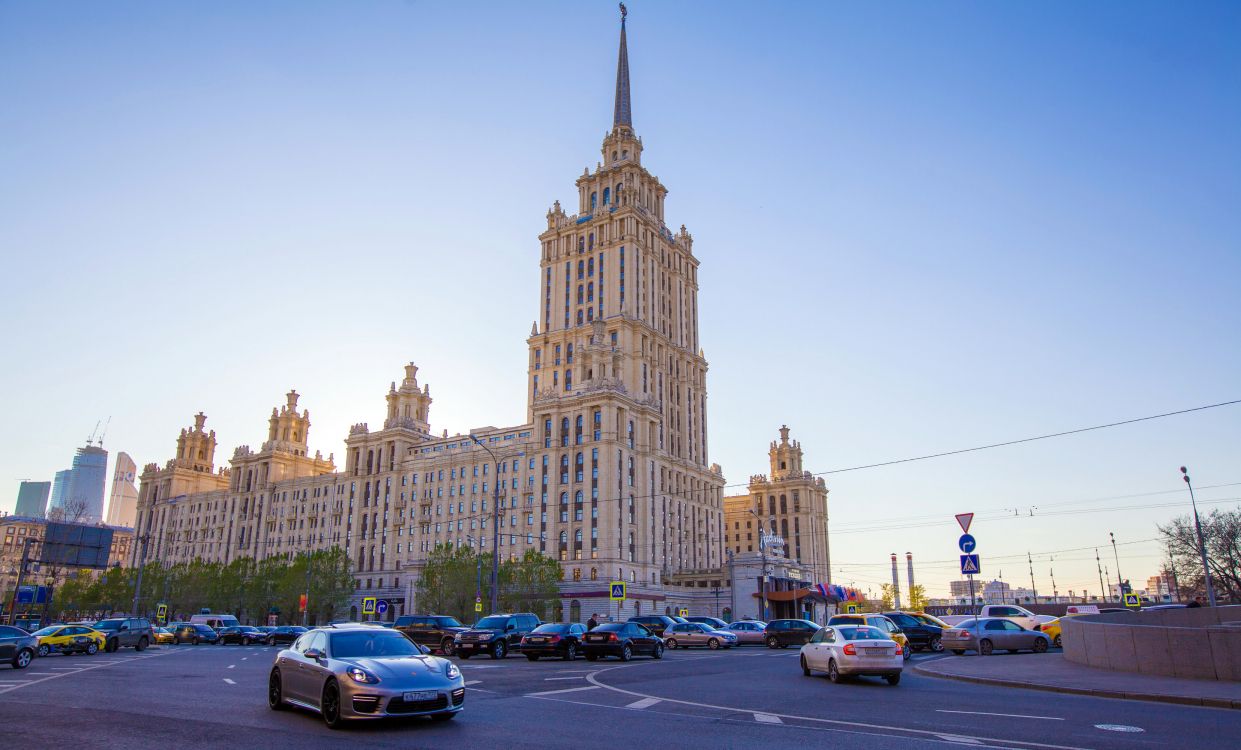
(1099, 565)
(1120, 582)
(1033, 588)
(306, 610)
(495, 524)
(1202, 549)
(142, 561)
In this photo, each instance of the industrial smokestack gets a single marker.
(909, 576)
(896, 584)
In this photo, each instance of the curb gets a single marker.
(1184, 700)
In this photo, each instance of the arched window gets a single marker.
(577, 498)
(590, 313)
(578, 475)
(771, 505)
(568, 378)
(579, 317)
(606, 195)
(784, 504)
(593, 199)
(594, 574)
(575, 611)
(577, 437)
(590, 292)
(580, 289)
(613, 156)
(564, 469)
(590, 266)
(577, 535)
(564, 537)
(580, 267)
(564, 440)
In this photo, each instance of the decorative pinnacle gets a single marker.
(621, 113)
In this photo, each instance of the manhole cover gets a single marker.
(1118, 728)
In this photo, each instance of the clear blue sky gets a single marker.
(921, 227)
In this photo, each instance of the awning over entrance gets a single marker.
(784, 596)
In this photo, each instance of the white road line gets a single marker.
(44, 674)
(767, 719)
(959, 740)
(67, 669)
(51, 676)
(229, 681)
(549, 679)
(230, 666)
(244, 658)
(1011, 716)
(567, 690)
(472, 682)
(644, 703)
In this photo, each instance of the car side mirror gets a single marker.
(313, 653)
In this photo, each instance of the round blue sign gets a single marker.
(967, 543)
(381, 606)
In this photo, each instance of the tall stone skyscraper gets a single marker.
(123, 502)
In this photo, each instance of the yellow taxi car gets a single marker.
(69, 639)
(164, 635)
(1052, 629)
(877, 621)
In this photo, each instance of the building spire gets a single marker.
(621, 114)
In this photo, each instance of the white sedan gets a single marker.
(847, 650)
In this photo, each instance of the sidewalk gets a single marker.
(1052, 672)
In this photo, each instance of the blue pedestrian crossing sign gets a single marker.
(969, 565)
(368, 605)
(616, 591)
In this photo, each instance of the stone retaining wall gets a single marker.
(1204, 643)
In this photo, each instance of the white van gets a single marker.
(215, 621)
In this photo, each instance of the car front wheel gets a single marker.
(142, 644)
(985, 647)
(93, 648)
(658, 653)
(713, 644)
(446, 646)
(671, 643)
(570, 652)
(936, 645)
(23, 658)
(1040, 645)
(275, 691)
(1058, 642)
(44, 650)
(805, 668)
(773, 642)
(499, 651)
(330, 706)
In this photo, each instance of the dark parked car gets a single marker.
(242, 634)
(785, 633)
(496, 635)
(554, 639)
(921, 634)
(623, 640)
(714, 622)
(432, 631)
(17, 647)
(126, 631)
(657, 624)
(283, 634)
(188, 632)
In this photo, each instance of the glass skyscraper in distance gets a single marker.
(32, 499)
(78, 493)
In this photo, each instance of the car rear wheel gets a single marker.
(570, 651)
(44, 650)
(670, 642)
(92, 648)
(271, 641)
(893, 679)
(773, 642)
(1040, 645)
(626, 653)
(713, 644)
(936, 645)
(275, 692)
(329, 706)
(196, 640)
(499, 651)
(907, 652)
(833, 672)
(142, 644)
(23, 658)
(805, 668)
(985, 647)
(1058, 642)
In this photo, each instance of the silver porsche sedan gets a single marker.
(351, 671)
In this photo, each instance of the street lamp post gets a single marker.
(495, 523)
(1120, 582)
(762, 548)
(1202, 548)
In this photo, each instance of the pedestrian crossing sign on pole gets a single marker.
(616, 591)
(969, 565)
(1133, 600)
(368, 605)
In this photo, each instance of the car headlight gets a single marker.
(357, 674)
(451, 671)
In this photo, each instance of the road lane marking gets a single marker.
(1011, 716)
(51, 676)
(230, 666)
(644, 703)
(45, 674)
(566, 690)
(959, 739)
(767, 719)
(1118, 728)
(244, 658)
(472, 682)
(549, 679)
(593, 678)
(229, 681)
(66, 669)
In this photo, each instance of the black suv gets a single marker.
(785, 633)
(657, 624)
(921, 634)
(432, 631)
(496, 635)
(126, 631)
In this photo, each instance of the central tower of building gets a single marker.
(617, 382)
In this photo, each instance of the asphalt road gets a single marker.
(214, 697)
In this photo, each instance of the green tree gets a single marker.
(530, 584)
(917, 597)
(449, 580)
(1221, 534)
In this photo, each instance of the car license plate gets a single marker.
(420, 695)
(537, 640)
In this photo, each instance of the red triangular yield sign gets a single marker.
(965, 519)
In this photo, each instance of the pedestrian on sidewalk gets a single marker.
(592, 623)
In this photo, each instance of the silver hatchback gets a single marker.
(348, 672)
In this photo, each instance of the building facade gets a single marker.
(77, 494)
(60, 489)
(32, 499)
(790, 504)
(16, 530)
(123, 501)
(609, 474)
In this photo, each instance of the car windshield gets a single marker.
(862, 633)
(108, 624)
(47, 631)
(372, 644)
(448, 622)
(552, 627)
(492, 623)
